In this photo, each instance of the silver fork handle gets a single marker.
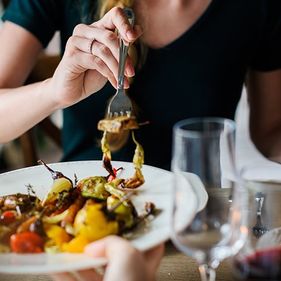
(122, 59)
(123, 51)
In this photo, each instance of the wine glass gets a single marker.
(207, 218)
(260, 257)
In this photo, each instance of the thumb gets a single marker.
(108, 247)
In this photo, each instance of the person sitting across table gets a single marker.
(188, 58)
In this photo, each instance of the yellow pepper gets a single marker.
(92, 224)
(76, 245)
(57, 234)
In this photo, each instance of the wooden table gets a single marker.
(177, 266)
(174, 266)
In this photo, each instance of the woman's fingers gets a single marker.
(116, 18)
(106, 37)
(102, 43)
(97, 50)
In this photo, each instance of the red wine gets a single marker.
(264, 264)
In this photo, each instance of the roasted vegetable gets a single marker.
(57, 236)
(72, 211)
(23, 202)
(138, 160)
(93, 187)
(125, 212)
(106, 155)
(118, 124)
(27, 242)
(92, 223)
(8, 217)
(61, 184)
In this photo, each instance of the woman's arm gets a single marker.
(20, 107)
(264, 90)
(89, 61)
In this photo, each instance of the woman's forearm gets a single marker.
(21, 108)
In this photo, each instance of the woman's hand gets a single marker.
(124, 262)
(91, 58)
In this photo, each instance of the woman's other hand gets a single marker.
(124, 262)
(91, 58)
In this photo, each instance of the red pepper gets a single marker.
(27, 242)
(8, 217)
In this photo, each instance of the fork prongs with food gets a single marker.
(120, 104)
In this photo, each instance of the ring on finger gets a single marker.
(90, 47)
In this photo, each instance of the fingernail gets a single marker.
(130, 35)
(130, 71)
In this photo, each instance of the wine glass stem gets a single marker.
(207, 273)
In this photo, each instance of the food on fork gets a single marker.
(117, 124)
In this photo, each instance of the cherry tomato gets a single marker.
(26, 242)
(8, 217)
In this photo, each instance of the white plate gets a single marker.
(157, 189)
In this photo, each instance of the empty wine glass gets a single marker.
(207, 218)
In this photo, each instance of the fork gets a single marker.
(259, 229)
(120, 104)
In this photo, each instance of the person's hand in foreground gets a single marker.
(124, 262)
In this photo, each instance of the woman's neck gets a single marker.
(164, 21)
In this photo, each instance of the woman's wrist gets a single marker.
(47, 92)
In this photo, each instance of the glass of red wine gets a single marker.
(260, 257)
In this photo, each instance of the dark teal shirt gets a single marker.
(199, 74)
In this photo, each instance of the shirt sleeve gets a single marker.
(40, 17)
(268, 52)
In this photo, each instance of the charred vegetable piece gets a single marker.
(138, 160)
(118, 124)
(72, 211)
(26, 242)
(53, 219)
(111, 187)
(93, 187)
(92, 223)
(25, 225)
(55, 174)
(106, 155)
(111, 177)
(61, 184)
(22, 201)
(125, 213)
